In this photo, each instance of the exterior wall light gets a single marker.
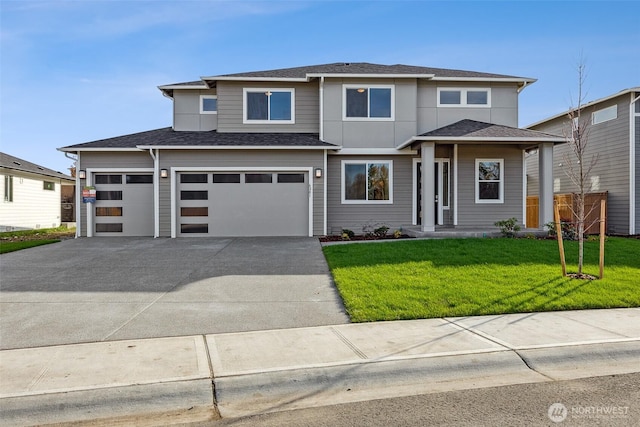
(164, 173)
(82, 174)
(318, 172)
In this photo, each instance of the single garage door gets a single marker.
(124, 204)
(243, 204)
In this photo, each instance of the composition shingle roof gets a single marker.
(364, 68)
(355, 68)
(475, 129)
(167, 137)
(11, 162)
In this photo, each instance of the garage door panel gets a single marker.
(124, 205)
(251, 207)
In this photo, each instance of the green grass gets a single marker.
(11, 241)
(6, 247)
(417, 279)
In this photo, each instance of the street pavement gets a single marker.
(202, 377)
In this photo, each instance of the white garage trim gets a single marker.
(174, 187)
(89, 181)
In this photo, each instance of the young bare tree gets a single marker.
(575, 164)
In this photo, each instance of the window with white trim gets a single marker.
(208, 104)
(8, 188)
(489, 180)
(264, 105)
(368, 102)
(604, 115)
(367, 181)
(464, 97)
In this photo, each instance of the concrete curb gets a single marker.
(198, 378)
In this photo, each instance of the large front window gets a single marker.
(368, 102)
(367, 181)
(269, 105)
(489, 180)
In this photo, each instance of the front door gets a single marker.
(441, 189)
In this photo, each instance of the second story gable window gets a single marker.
(208, 104)
(464, 97)
(264, 105)
(371, 102)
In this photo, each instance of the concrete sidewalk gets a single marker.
(198, 378)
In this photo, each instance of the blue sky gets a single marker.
(77, 71)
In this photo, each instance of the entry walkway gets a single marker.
(201, 377)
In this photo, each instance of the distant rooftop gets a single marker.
(11, 162)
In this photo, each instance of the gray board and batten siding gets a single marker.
(186, 111)
(608, 144)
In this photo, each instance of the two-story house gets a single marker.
(313, 150)
(613, 143)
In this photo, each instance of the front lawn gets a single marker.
(417, 279)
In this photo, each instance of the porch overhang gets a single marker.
(474, 132)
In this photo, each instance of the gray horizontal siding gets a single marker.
(355, 216)
(608, 146)
(472, 214)
(241, 159)
(230, 108)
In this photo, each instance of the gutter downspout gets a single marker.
(156, 192)
(632, 164)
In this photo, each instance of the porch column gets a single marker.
(428, 156)
(545, 172)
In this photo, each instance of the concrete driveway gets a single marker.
(103, 289)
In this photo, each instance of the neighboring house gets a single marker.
(313, 150)
(32, 195)
(614, 138)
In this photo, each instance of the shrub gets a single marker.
(508, 227)
(347, 234)
(569, 231)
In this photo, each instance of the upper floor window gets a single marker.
(48, 185)
(464, 97)
(269, 105)
(208, 104)
(489, 180)
(604, 115)
(367, 181)
(371, 102)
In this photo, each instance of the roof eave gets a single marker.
(238, 147)
(474, 139)
(487, 79)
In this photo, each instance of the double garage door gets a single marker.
(251, 203)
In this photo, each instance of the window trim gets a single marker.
(603, 110)
(368, 87)
(500, 200)
(8, 188)
(202, 98)
(247, 90)
(346, 201)
(463, 97)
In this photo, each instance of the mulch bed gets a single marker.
(363, 237)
